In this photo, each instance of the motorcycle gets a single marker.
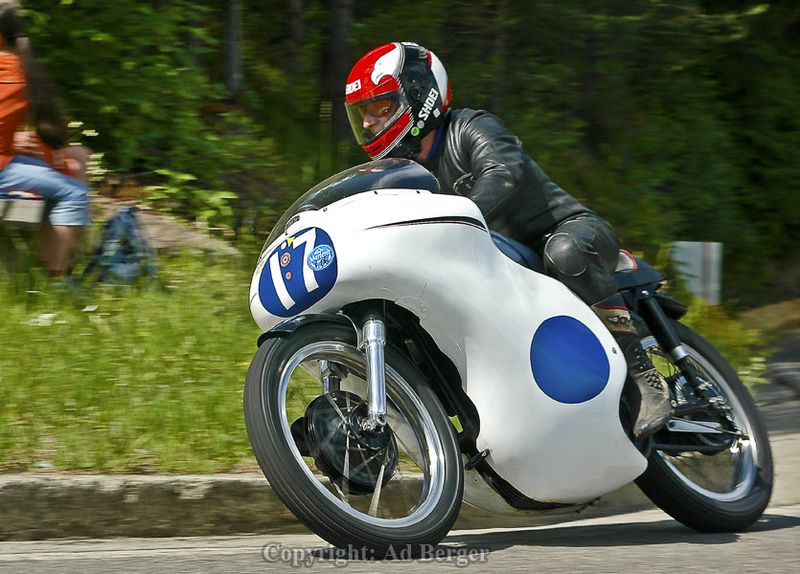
(411, 359)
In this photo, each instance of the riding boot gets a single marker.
(650, 392)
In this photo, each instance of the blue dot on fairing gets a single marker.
(568, 361)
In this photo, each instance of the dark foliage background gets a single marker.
(676, 120)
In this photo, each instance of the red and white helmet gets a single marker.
(396, 94)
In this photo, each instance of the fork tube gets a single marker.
(330, 382)
(659, 325)
(374, 340)
(667, 338)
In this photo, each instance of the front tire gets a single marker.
(425, 438)
(720, 492)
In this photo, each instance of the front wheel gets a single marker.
(717, 482)
(396, 490)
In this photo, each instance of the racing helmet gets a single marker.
(396, 94)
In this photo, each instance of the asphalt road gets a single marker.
(646, 541)
(783, 366)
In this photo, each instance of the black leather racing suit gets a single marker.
(479, 158)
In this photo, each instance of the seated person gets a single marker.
(39, 163)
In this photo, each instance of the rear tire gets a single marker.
(711, 506)
(300, 485)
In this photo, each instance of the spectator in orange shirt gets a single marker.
(39, 161)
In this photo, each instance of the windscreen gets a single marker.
(380, 174)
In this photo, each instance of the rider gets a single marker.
(398, 101)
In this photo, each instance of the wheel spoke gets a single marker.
(334, 431)
(346, 471)
(376, 494)
(364, 461)
(336, 408)
(413, 455)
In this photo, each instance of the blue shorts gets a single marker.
(67, 197)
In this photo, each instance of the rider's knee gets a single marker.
(564, 256)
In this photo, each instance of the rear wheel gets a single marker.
(400, 488)
(712, 482)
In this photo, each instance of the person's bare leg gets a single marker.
(58, 248)
(46, 240)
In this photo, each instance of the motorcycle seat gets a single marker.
(630, 272)
(517, 252)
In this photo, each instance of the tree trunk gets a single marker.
(499, 56)
(233, 53)
(297, 35)
(338, 65)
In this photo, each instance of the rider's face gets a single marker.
(376, 114)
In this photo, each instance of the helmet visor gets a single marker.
(371, 118)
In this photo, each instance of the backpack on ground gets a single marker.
(124, 253)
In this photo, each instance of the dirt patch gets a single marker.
(776, 318)
(164, 232)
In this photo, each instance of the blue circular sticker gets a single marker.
(298, 273)
(321, 257)
(568, 361)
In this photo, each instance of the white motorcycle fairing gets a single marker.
(543, 372)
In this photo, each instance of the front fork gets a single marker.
(668, 340)
(373, 341)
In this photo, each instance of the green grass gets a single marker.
(149, 378)
(745, 349)
(142, 379)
